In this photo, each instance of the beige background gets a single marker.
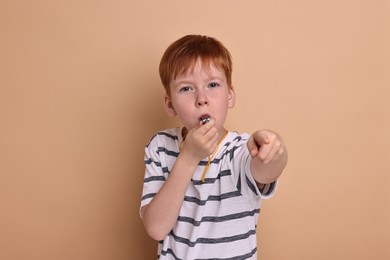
(80, 97)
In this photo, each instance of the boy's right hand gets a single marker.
(201, 141)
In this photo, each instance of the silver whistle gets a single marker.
(205, 120)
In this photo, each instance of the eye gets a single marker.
(185, 89)
(213, 84)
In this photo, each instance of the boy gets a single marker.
(203, 184)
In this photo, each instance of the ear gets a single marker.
(232, 97)
(169, 109)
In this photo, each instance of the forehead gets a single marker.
(202, 68)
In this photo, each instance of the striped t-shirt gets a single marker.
(218, 218)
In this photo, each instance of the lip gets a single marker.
(204, 116)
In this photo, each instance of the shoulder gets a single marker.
(236, 139)
(234, 145)
(165, 137)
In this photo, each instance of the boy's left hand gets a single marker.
(266, 146)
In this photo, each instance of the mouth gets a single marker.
(205, 119)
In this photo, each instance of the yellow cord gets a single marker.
(205, 169)
(210, 156)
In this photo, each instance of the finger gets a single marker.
(204, 128)
(264, 151)
(275, 152)
(267, 153)
(208, 131)
(211, 135)
(261, 137)
(267, 147)
(256, 141)
(252, 146)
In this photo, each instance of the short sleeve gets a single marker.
(248, 185)
(154, 173)
(265, 191)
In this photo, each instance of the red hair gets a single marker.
(182, 55)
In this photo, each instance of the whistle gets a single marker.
(205, 120)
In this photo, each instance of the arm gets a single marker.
(160, 215)
(269, 156)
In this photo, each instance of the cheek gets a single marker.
(181, 104)
(225, 103)
(183, 110)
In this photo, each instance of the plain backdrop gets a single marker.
(80, 97)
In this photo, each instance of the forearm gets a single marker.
(161, 214)
(268, 172)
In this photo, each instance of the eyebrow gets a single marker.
(184, 81)
(181, 82)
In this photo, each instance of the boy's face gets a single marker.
(200, 92)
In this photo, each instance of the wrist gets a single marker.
(189, 159)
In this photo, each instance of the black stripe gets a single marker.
(212, 180)
(214, 161)
(229, 152)
(226, 153)
(147, 196)
(166, 151)
(203, 240)
(271, 188)
(212, 198)
(238, 139)
(169, 251)
(225, 173)
(251, 186)
(219, 219)
(239, 182)
(154, 178)
(239, 257)
(173, 137)
(150, 161)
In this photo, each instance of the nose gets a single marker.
(201, 100)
